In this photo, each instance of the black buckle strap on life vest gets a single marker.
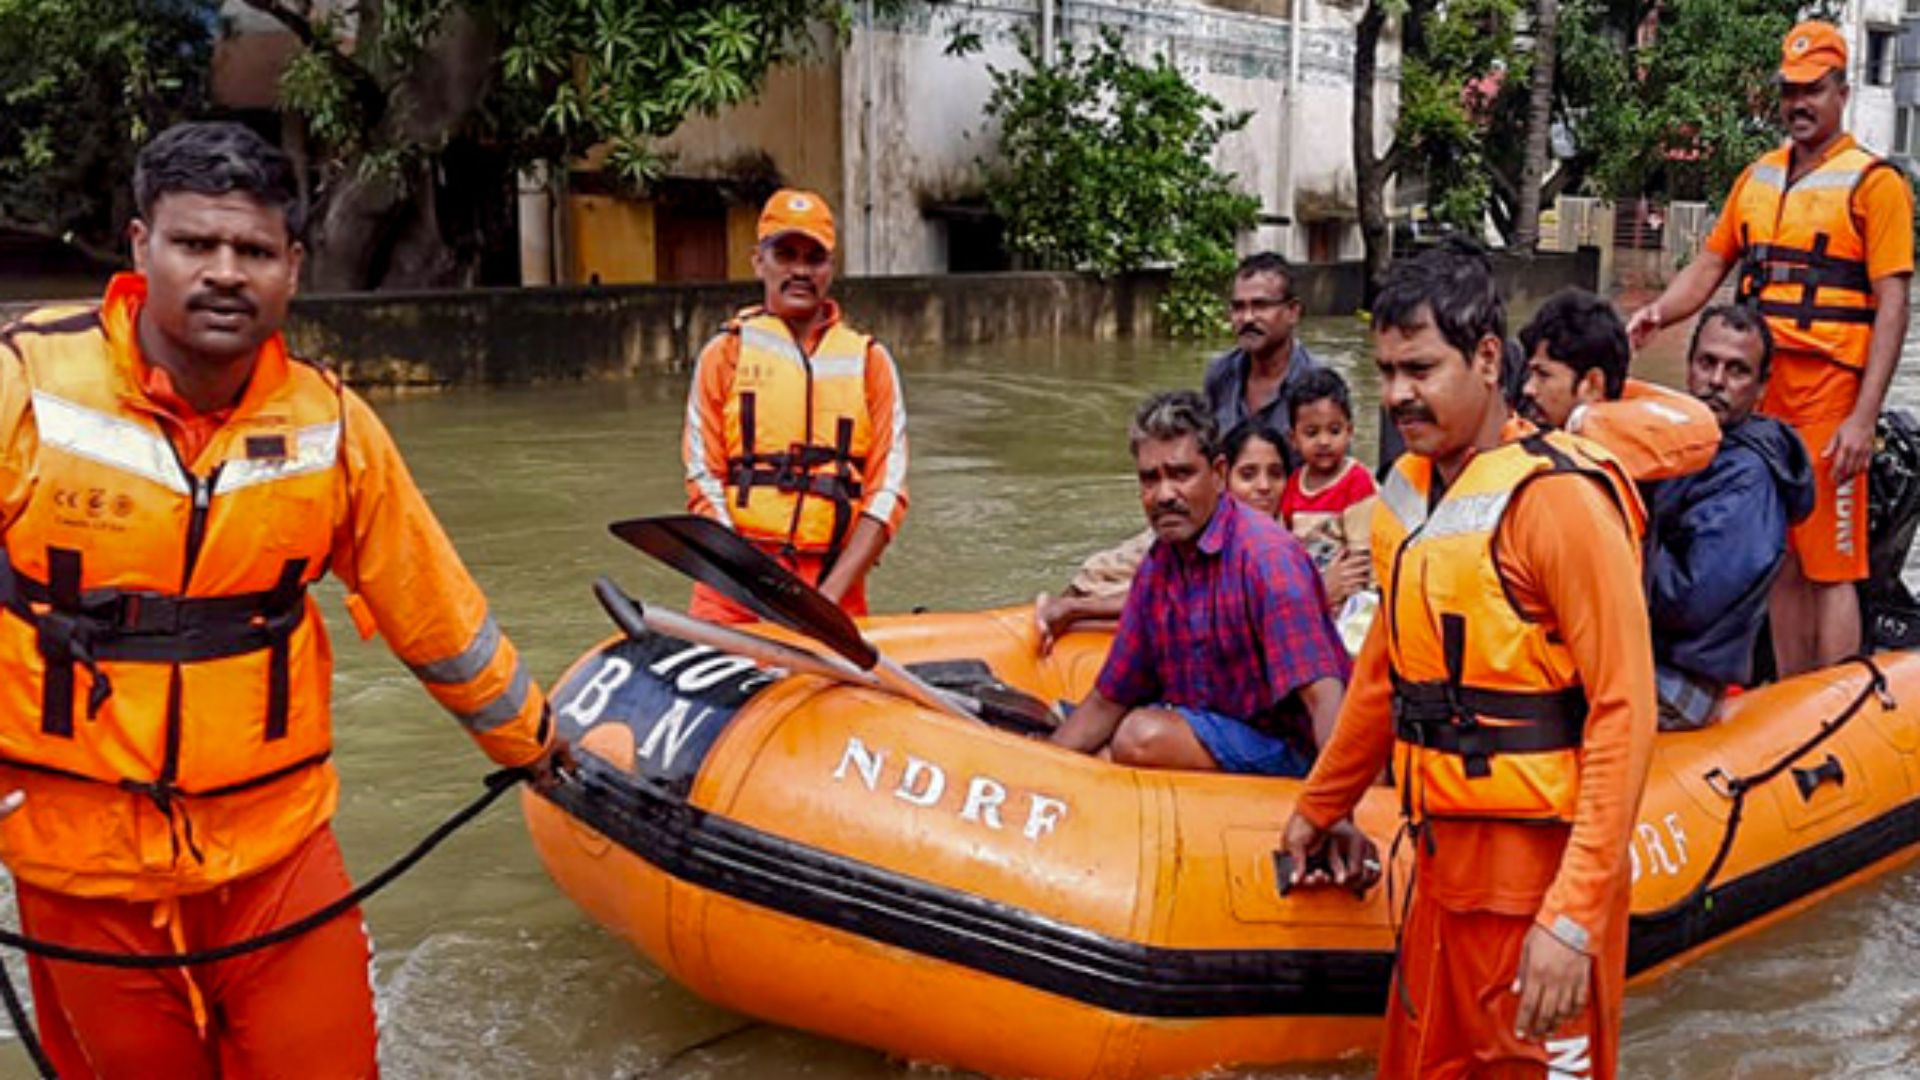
(744, 478)
(842, 504)
(1813, 270)
(1446, 715)
(64, 641)
(86, 628)
(290, 590)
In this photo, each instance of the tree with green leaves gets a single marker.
(419, 114)
(1105, 165)
(85, 83)
(1451, 57)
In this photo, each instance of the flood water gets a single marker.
(1019, 469)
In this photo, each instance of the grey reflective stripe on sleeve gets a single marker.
(1570, 933)
(468, 663)
(503, 708)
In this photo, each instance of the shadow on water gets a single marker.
(1019, 470)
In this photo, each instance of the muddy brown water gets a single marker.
(483, 968)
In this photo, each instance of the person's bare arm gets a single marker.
(1091, 724)
(1322, 698)
(863, 549)
(1850, 450)
(1688, 293)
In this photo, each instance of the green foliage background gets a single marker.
(1105, 165)
(82, 85)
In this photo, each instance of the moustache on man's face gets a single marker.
(1411, 412)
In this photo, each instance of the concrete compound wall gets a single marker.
(498, 336)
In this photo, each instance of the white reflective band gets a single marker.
(1828, 179)
(114, 441)
(1467, 514)
(780, 344)
(839, 367)
(709, 485)
(467, 664)
(315, 449)
(1770, 175)
(883, 502)
(503, 708)
(1402, 501)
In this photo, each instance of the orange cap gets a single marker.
(794, 211)
(1810, 51)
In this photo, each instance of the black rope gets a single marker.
(497, 783)
(1738, 787)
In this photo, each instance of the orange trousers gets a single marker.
(711, 605)
(1456, 971)
(300, 1009)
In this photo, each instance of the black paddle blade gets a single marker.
(714, 555)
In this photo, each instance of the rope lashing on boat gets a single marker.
(1736, 788)
(496, 783)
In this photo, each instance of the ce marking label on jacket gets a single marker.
(676, 697)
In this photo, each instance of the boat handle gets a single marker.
(1809, 780)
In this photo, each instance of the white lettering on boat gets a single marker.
(924, 783)
(984, 796)
(1042, 816)
(930, 794)
(1568, 1059)
(1665, 847)
(593, 698)
(866, 761)
(673, 730)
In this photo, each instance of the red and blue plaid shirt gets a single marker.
(1235, 625)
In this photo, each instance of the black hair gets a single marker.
(1174, 414)
(1582, 331)
(217, 158)
(1267, 262)
(1250, 429)
(1741, 319)
(1318, 384)
(1449, 287)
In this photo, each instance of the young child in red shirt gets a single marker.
(1328, 501)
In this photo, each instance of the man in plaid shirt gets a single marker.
(1225, 657)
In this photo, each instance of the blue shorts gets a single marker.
(1240, 748)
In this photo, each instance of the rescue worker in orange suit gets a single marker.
(1509, 680)
(796, 434)
(172, 483)
(1822, 232)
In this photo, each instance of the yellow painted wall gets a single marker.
(610, 237)
(742, 223)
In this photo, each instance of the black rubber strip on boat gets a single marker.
(1660, 936)
(1121, 976)
(961, 928)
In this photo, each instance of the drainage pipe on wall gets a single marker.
(868, 151)
(1293, 111)
(1046, 32)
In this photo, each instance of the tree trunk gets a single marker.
(1370, 176)
(1533, 172)
(375, 232)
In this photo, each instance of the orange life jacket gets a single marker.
(1488, 709)
(1805, 261)
(1653, 432)
(156, 615)
(797, 435)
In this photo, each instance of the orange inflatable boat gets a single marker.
(834, 858)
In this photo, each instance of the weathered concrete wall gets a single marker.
(530, 335)
(482, 336)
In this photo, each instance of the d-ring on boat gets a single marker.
(832, 857)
